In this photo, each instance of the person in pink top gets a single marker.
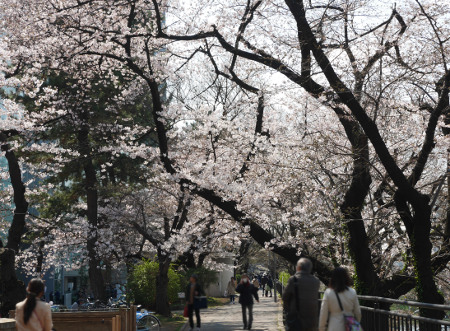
(32, 314)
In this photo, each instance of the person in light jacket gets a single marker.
(231, 289)
(32, 314)
(331, 316)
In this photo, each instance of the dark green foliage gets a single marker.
(205, 276)
(142, 284)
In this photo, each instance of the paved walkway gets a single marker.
(267, 316)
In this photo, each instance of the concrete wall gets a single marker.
(218, 288)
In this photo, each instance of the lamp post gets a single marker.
(274, 275)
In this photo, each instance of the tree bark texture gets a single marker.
(162, 285)
(18, 224)
(12, 290)
(96, 281)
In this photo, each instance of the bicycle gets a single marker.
(146, 321)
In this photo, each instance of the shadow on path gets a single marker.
(266, 317)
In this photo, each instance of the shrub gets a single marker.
(283, 277)
(142, 283)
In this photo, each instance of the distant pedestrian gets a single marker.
(339, 294)
(247, 292)
(264, 281)
(300, 299)
(193, 289)
(269, 286)
(231, 289)
(32, 314)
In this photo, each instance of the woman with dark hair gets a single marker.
(339, 294)
(32, 314)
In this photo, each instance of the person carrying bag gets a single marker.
(193, 291)
(292, 321)
(340, 310)
(300, 299)
(351, 324)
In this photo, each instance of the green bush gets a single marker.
(283, 277)
(142, 283)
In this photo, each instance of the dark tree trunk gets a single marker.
(421, 251)
(96, 281)
(351, 207)
(40, 257)
(12, 290)
(162, 285)
(368, 281)
(18, 224)
(95, 273)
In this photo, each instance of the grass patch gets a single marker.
(174, 323)
(217, 302)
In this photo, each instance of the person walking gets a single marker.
(193, 289)
(269, 286)
(32, 314)
(264, 281)
(231, 289)
(247, 292)
(338, 299)
(300, 299)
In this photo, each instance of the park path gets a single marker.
(267, 316)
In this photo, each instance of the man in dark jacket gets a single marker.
(246, 292)
(264, 281)
(300, 299)
(193, 289)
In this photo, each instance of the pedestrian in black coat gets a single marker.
(246, 292)
(193, 289)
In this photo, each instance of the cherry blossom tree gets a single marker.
(290, 114)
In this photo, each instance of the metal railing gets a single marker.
(376, 319)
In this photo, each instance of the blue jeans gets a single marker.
(232, 296)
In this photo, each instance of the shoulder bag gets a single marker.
(200, 302)
(293, 323)
(351, 323)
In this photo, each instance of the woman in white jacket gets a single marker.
(331, 316)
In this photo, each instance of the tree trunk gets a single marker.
(18, 224)
(96, 281)
(95, 273)
(12, 290)
(162, 285)
(368, 282)
(421, 251)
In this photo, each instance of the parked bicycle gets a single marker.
(146, 321)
